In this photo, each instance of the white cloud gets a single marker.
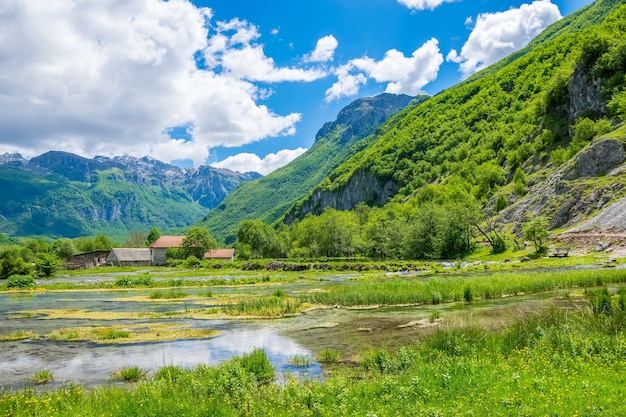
(423, 4)
(324, 50)
(403, 75)
(347, 84)
(109, 77)
(497, 35)
(245, 162)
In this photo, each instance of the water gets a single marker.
(92, 364)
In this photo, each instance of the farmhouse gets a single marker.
(129, 257)
(159, 247)
(220, 254)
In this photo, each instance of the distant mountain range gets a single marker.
(62, 194)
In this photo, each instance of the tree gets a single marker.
(47, 264)
(101, 242)
(258, 235)
(136, 239)
(64, 248)
(197, 241)
(153, 235)
(537, 230)
(12, 264)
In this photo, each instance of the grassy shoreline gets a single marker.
(560, 362)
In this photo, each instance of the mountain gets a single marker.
(62, 194)
(268, 198)
(508, 135)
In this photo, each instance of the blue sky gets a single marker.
(239, 84)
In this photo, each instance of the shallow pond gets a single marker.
(349, 331)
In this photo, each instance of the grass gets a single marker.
(168, 295)
(122, 334)
(19, 335)
(554, 362)
(42, 377)
(265, 307)
(130, 374)
(328, 356)
(438, 289)
(300, 361)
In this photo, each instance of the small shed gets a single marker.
(159, 247)
(129, 257)
(89, 259)
(227, 254)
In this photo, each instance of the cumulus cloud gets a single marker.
(324, 50)
(110, 77)
(403, 75)
(244, 162)
(423, 4)
(497, 35)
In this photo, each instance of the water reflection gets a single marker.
(91, 364)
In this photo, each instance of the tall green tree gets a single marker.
(258, 235)
(537, 230)
(153, 235)
(197, 241)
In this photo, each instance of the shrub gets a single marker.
(258, 364)
(20, 281)
(143, 280)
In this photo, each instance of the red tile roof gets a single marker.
(220, 254)
(168, 242)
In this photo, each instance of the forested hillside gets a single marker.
(533, 143)
(268, 198)
(494, 133)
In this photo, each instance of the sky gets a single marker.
(237, 84)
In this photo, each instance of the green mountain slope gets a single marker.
(269, 197)
(511, 123)
(60, 194)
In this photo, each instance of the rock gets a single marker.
(602, 246)
(599, 158)
(524, 259)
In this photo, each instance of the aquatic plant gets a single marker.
(300, 360)
(41, 377)
(328, 356)
(130, 374)
(159, 295)
(19, 335)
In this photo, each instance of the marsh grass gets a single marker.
(19, 335)
(130, 374)
(41, 377)
(552, 362)
(264, 307)
(122, 335)
(440, 289)
(328, 356)
(300, 361)
(168, 295)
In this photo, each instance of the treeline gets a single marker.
(441, 223)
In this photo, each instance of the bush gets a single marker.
(258, 364)
(20, 281)
(143, 280)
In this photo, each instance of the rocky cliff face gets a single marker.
(584, 94)
(572, 193)
(362, 187)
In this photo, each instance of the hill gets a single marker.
(268, 198)
(497, 136)
(60, 194)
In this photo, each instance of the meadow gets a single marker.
(568, 359)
